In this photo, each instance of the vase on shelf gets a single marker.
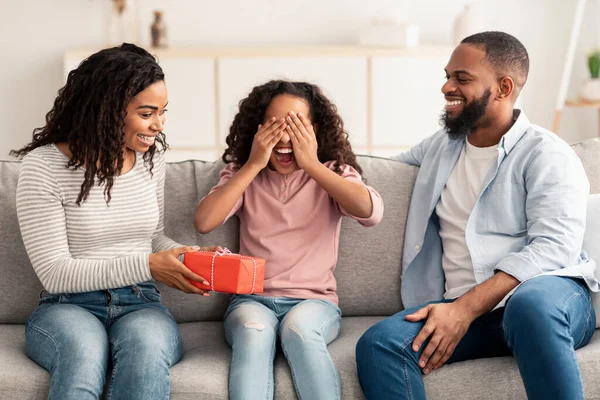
(590, 91)
(158, 31)
(122, 24)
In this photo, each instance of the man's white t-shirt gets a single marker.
(458, 199)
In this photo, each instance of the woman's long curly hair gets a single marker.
(89, 114)
(332, 140)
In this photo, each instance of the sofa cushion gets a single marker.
(20, 378)
(203, 371)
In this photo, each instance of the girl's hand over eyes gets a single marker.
(265, 139)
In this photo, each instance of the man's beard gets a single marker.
(459, 127)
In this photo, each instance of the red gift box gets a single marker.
(226, 272)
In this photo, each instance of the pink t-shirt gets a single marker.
(293, 223)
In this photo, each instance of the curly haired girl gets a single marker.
(291, 176)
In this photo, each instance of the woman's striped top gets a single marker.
(93, 246)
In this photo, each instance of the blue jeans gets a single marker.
(305, 327)
(544, 321)
(78, 336)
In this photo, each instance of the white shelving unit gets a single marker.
(389, 98)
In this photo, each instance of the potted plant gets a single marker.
(591, 88)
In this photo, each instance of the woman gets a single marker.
(90, 208)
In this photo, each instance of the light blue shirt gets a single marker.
(529, 219)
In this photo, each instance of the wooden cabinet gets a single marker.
(389, 99)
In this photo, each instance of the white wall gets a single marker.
(34, 34)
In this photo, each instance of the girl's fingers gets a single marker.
(276, 138)
(292, 134)
(270, 136)
(299, 125)
(305, 133)
(273, 126)
(294, 127)
(306, 123)
(264, 127)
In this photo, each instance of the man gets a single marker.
(492, 261)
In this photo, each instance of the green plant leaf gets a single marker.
(594, 64)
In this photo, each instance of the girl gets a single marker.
(290, 177)
(90, 208)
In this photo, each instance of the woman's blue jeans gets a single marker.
(79, 337)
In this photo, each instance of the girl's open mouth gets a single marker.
(284, 156)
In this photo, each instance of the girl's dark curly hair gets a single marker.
(89, 114)
(332, 140)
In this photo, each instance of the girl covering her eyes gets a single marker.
(290, 177)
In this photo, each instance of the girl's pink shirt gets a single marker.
(293, 223)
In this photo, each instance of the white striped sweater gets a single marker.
(94, 246)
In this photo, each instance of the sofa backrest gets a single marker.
(589, 153)
(368, 271)
(19, 286)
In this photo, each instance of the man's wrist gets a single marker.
(467, 308)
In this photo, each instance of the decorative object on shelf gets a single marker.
(590, 91)
(466, 23)
(122, 22)
(389, 32)
(158, 31)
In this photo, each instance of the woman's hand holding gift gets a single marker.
(166, 268)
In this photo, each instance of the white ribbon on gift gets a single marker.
(227, 252)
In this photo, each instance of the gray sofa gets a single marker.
(368, 276)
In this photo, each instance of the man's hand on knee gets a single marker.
(446, 324)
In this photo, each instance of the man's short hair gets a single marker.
(505, 53)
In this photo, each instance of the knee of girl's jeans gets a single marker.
(254, 325)
(295, 333)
